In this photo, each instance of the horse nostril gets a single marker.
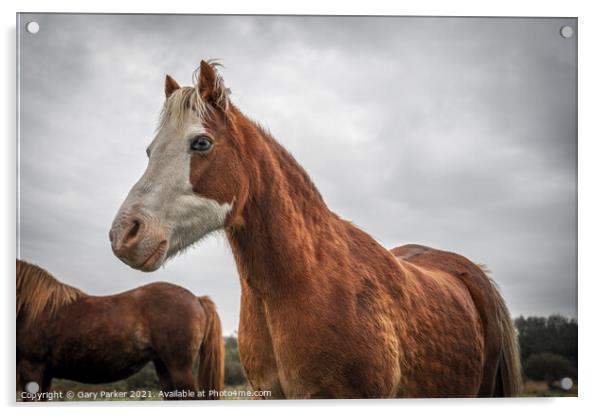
(133, 232)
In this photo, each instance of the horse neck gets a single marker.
(290, 241)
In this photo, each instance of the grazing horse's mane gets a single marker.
(39, 292)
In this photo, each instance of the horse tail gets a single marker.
(210, 376)
(509, 373)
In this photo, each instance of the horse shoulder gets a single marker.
(255, 344)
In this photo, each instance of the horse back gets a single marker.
(113, 336)
(482, 292)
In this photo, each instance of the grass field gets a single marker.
(542, 389)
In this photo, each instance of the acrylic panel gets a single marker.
(295, 207)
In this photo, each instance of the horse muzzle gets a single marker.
(138, 242)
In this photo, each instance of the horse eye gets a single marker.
(201, 143)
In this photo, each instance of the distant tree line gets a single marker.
(548, 347)
(234, 374)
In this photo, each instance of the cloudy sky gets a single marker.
(455, 133)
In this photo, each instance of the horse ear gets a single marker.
(211, 87)
(170, 86)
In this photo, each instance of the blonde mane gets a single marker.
(186, 99)
(39, 292)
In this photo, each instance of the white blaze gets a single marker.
(164, 197)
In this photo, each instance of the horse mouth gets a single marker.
(153, 261)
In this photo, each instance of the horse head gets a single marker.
(195, 182)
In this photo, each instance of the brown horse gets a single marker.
(65, 333)
(326, 312)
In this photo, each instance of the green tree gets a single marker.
(548, 367)
(548, 346)
(234, 373)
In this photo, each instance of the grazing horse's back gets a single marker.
(501, 366)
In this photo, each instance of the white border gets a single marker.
(590, 190)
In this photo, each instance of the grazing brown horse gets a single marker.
(326, 312)
(65, 333)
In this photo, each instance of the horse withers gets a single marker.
(64, 333)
